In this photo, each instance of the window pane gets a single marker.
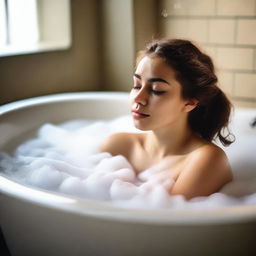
(23, 21)
(30, 26)
(3, 31)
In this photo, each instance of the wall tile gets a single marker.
(189, 7)
(244, 32)
(198, 30)
(175, 28)
(254, 60)
(230, 40)
(222, 31)
(244, 104)
(195, 29)
(211, 51)
(226, 82)
(235, 58)
(245, 85)
(235, 7)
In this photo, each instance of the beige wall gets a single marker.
(126, 26)
(117, 44)
(226, 30)
(106, 36)
(108, 33)
(145, 22)
(76, 69)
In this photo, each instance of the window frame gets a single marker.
(54, 29)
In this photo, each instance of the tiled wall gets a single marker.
(227, 31)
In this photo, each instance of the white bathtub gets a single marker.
(39, 222)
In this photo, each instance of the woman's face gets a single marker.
(156, 96)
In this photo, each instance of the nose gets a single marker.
(141, 97)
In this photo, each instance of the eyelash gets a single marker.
(152, 91)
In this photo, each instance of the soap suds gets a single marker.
(65, 158)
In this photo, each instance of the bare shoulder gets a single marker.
(208, 153)
(118, 143)
(211, 159)
(207, 169)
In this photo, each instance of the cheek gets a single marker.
(168, 105)
(162, 104)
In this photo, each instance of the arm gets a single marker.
(206, 171)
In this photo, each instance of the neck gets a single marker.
(168, 140)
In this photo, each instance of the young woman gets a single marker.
(175, 98)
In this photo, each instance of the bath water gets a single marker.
(64, 158)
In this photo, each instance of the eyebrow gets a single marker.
(153, 79)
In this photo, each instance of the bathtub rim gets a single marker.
(54, 98)
(104, 210)
(101, 209)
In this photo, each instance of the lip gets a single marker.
(139, 115)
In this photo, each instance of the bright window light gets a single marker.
(23, 22)
(30, 26)
(3, 23)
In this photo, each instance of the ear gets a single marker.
(190, 104)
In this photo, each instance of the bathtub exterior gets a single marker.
(38, 222)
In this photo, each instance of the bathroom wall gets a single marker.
(226, 31)
(126, 26)
(75, 69)
(144, 22)
(117, 44)
(107, 34)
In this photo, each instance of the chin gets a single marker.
(142, 127)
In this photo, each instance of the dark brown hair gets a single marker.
(195, 72)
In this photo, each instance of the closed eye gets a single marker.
(158, 92)
(151, 91)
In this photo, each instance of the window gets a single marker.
(29, 26)
(3, 25)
